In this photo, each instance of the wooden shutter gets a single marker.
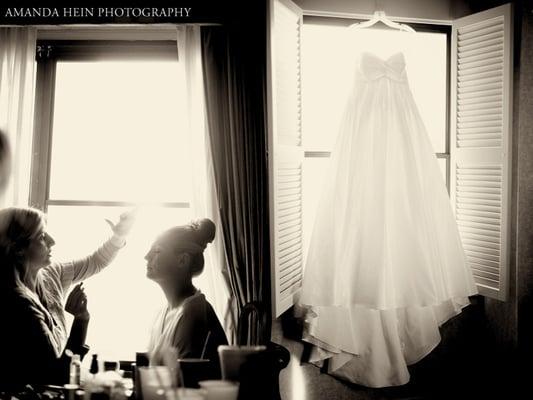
(285, 153)
(481, 95)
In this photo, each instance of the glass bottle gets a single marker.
(75, 370)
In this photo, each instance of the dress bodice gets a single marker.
(372, 67)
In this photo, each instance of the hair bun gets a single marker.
(205, 231)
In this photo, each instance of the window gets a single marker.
(328, 72)
(111, 136)
(467, 65)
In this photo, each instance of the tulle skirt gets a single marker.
(385, 266)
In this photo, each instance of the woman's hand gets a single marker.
(123, 226)
(77, 303)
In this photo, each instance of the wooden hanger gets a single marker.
(379, 16)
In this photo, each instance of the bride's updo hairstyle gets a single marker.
(192, 239)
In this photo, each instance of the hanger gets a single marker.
(379, 16)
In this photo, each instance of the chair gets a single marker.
(259, 374)
(252, 327)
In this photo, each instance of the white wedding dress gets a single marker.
(385, 266)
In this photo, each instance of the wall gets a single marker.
(524, 231)
(444, 10)
(511, 322)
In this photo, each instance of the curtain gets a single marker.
(213, 281)
(234, 59)
(17, 90)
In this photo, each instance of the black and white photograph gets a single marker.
(267, 199)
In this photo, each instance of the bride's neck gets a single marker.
(176, 295)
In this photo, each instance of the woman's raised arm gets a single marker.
(78, 270)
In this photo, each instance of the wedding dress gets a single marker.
(385, 266)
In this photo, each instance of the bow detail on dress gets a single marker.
(373, 67)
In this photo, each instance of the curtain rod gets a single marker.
(344, 15)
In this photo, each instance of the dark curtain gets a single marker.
(234, 66)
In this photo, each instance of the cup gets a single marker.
(186, 394)
(155, 382)
(232, 357)
(220, 389)
(194, 370)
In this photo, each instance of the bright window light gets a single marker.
(329, 55)
(118, 135)
(118, 132)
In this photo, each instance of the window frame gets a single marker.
(48, 53)
(419, 27)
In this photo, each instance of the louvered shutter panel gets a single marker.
(285, 153)
(481, 143)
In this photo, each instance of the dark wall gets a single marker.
(524, 231)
